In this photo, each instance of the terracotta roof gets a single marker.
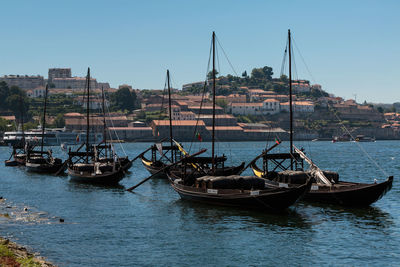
(153, 105)
(236, 95)
(82, 121)
(204, 107)
(269, 130)
(73, 114)
(186, 112)
(130, 128)
(271, 100)
(217, 116)
(256, 91)
(298, 103)
(178, 122)
(225, 128)
(181, 103)
(8, 118)
(247, 104)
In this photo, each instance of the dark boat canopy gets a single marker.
(205, 159)
(282, 156)
(165, 147)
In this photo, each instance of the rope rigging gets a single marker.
(332, 110)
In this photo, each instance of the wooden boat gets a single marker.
(340, 192)
(19, 153)
(342, 138)
(105, 149)
(263, 194)
(10, 163)
(95, 173)
(326, 186)
(95, 165)
(249, 192)
(154, 165)
(19, 147)
(41, 161)
(363, 138)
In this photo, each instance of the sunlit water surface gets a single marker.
(108, 226)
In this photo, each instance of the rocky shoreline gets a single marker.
(12, 254)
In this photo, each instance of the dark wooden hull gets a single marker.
(344, 193)
(41, 165)
(10, 163)
(20, 159)
(44, 168)
(126, 163)
(350, 194)
(154, 167)
(270, 199)
(106, 178)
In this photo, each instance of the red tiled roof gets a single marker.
(271, 100)
(247, 104)
(217, 116)
(225, 128)
(8, 118)
(178, 122)
(204, 107)
(73, 114)
(130, 128)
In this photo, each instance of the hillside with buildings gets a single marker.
(254, 107)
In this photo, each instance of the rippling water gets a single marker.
(108, 226)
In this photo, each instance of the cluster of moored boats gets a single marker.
(95, 163)
(281, 181)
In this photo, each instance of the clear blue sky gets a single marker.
(351, 47)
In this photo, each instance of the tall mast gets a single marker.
(213, 118)
(170, 114)
(290, 101)
(21, 103)
(104, 123)
(87, 115)
(44, 117)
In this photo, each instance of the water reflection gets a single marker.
(210, 214)
(366, 217)
(76, 186)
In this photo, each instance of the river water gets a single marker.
(108, 226)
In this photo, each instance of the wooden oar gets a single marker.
(166, 167)
(62, 168)
(259, 156)
(138, 156)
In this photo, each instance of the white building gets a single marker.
(270, 106)
(23, 81)
(187, 116)
(299, 106)
(37, 92)
(301, 86)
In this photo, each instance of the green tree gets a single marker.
(124, 99)
(18, 102)
(4, 93)
(264, 73)
(59, 121)
(210, 74)
(222, 103)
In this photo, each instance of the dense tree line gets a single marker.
(14, 99)
(260, 78)
(124, 100)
